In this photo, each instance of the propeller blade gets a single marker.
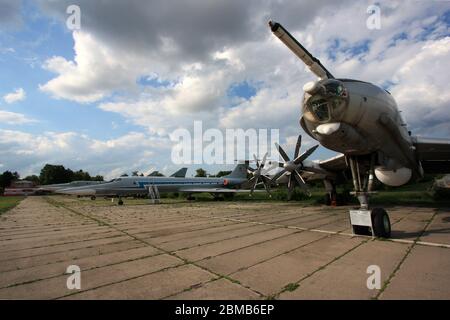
(302, 183)
(254, 186)
(299, 178)
(298, 146)
(305, 154)
(291, 186)
(282, 153)
(264, 160)
(276, 176)
(256, 160)
(266, 182)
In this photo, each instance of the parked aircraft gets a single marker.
(58, 186)
(362, 121)
(131, 186)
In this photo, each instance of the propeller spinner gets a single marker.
(293, 168)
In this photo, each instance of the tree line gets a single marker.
(49, 174)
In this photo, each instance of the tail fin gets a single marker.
(239, 172)
(180, 173)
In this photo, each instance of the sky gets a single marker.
(108, 96)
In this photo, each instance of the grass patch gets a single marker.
(291, 287)
(231, 279)
(7, 203)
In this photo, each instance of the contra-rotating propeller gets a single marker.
(258, 176)
(293, 168)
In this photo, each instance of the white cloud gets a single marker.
(94, 73)
(16, 96)
(28, 153)
(421, 88)
(13, 118)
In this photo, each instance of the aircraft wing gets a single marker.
(334, 164)
(217, 190)
(434, 154)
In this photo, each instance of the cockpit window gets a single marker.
(335, 88)
(319, 107)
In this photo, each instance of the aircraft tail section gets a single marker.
(180, 173)
(239, 172)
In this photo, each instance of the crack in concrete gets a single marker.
(408, 251)
(186, 261)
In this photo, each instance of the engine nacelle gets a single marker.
(393, 178)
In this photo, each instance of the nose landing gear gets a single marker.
(373, 222)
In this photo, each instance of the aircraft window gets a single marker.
(334, 88)
(319, 108)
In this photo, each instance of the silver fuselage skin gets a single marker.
(73, 184)
(130, 186)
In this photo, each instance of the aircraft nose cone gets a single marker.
(328, 128)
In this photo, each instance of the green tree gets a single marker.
(81, 175)
(97, 178)
(200, 172)
(222, 173)
(51, 174)
(34, 178)
(135, 173)
(7, 177)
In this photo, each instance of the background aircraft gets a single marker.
(131, 186)
(362, 121)
(60, 186)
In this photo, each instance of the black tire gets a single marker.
(120, 202)
(92, 197)
(381, 223)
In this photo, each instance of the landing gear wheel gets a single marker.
(381, 223)
(92, 198)
(120, 202)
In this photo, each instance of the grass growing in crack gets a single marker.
(231, 279)
(291, 287)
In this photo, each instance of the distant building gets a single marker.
(21, 188)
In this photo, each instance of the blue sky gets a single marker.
(107, 97)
